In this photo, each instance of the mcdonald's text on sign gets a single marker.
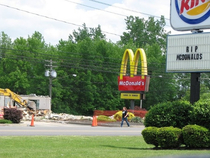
(134, 84)
(190, 14)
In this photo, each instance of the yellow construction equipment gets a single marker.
(17, 99)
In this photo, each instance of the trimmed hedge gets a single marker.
(165, 137)
(176, 114)
(179, 114)
(201, 114)
(13, 115)
(150, 135)
(169, 137)
(195, 136)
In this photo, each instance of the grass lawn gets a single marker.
(83, 147)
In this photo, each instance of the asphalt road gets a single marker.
(56, 129)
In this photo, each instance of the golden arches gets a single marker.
(133, 62)
(127, 54)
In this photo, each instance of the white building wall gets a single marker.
(1, 102)
(43, 102)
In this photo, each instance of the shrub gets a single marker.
(118, 115)
(180, 113)
(150, 135)
(105, 118)
(196, 136)
(3, 121)
(169, 137)
(176, 114)
(201, 114)
(137, 119)
(13, 115)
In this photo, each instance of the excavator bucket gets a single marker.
(32, 105)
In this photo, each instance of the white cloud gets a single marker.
(21, 24)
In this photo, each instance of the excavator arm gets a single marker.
(15, 97)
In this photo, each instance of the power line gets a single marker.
(96, 8)
(114, 12)
(55, 19)
(64, 59)
(127, 9)
(112, 66)
(110, 70)
(65, 56)
(99, 69)
(47, 17)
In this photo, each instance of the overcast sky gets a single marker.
(16, 22)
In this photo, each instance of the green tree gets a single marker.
(5, 47)
(145, 32)
(85, 32)
(5, 44)
(23, 64)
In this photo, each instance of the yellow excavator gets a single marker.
(17, 99)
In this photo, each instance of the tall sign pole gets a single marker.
(195, 82)
(195, 87)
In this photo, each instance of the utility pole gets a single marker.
(51, 74)
(50, 79)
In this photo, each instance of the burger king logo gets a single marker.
(193, 11)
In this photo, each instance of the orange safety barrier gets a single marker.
(140, 113)
(32, 121)
(94, 122)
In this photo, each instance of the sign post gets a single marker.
(195, 87)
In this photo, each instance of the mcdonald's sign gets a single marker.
(134, 82)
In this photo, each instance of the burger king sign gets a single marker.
(190, 14)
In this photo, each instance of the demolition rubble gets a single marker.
(48, 115)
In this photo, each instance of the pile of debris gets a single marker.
(46, 115)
